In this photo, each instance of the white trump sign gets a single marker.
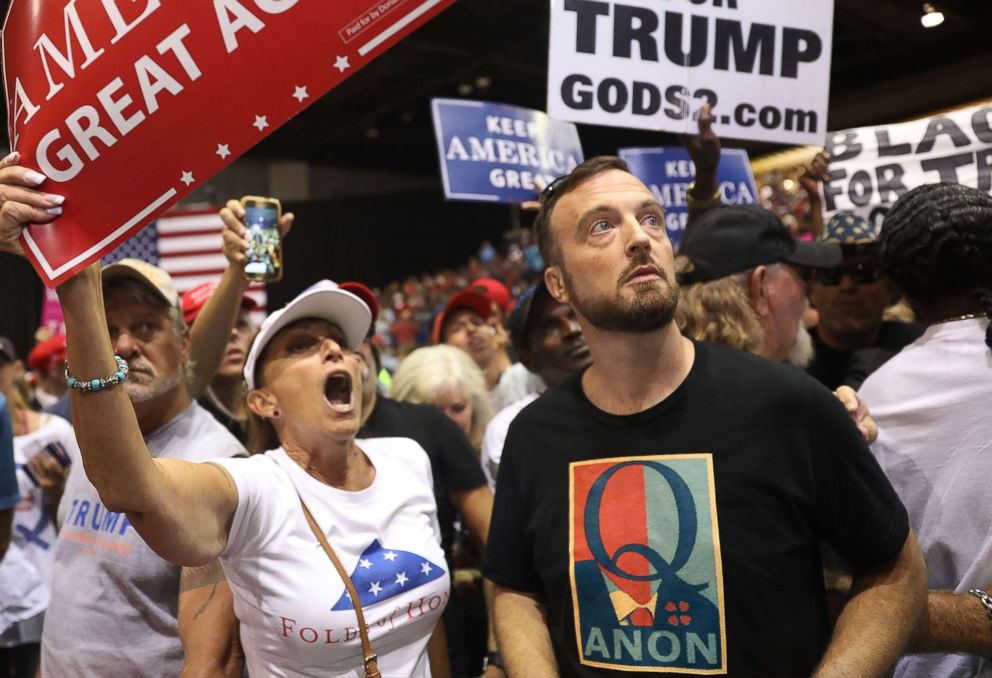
(762, 65)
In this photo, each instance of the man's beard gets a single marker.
(158, 385)
(801, 353)
(652, 307)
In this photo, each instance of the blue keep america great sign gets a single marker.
(498, 153)
(667, 171)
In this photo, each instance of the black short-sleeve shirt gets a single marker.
(832, 368)
(453, 461)
(685, 538)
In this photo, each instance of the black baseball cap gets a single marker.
(736, 238)
(520, 319)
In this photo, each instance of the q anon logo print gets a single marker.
(647, 580)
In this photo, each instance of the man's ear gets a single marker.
(263, 403)
(186, 344)
(757, 290)
(555, 282)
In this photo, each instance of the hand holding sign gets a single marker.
(704, 149)
(818, 172)
(157, 97)
(22, 203)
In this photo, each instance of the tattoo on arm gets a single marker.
(198, 577)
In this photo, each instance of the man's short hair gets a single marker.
(562, 186)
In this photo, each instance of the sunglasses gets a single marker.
(861, 274)
(550, 188)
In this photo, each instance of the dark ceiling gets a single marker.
(886, 67)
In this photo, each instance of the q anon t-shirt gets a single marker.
(296, 617)
(686, 537)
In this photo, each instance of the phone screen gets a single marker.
(262, 222)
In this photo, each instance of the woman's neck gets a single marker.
(340, 464)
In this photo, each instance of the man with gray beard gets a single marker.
(743, 282)
(114, 602)
(663, 509)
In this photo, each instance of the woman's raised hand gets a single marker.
(23, 202)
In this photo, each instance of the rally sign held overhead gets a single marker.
(762, 65)
(870, 167)
(128, 106)
(495, 152)
(668, 170)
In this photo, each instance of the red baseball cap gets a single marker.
(495, 291)
(469, 299)
(365, 294)
(195, 297)
(46, 353)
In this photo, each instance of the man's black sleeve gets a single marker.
(509, 561)
(857, 510)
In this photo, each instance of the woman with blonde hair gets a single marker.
(448, 378)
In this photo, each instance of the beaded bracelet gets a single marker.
(87, 386)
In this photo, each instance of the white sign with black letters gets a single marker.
(870, 167)
(763, 65)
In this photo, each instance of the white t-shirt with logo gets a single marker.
(114, 604)
(296, 618)
(26, 571)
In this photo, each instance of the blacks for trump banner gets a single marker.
(870, 167)
(762, 65)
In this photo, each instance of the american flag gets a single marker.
(187, 245)
(382, 574)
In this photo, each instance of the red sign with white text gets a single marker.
(128, 105)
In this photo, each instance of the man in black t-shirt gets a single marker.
(662, 511)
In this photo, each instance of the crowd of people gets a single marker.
(590, 455)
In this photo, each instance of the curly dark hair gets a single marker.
(937, 241)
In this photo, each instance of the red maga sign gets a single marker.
(127, 105)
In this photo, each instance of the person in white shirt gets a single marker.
(931, 405)
(371, 500)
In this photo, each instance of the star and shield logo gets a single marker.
(646, 573)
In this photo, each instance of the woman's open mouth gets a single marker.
(338, 391)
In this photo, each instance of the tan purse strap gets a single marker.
(371, 660)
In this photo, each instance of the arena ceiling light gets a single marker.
(931, 16)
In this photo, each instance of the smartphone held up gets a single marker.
(264, 263)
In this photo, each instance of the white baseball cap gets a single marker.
(323, 300)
